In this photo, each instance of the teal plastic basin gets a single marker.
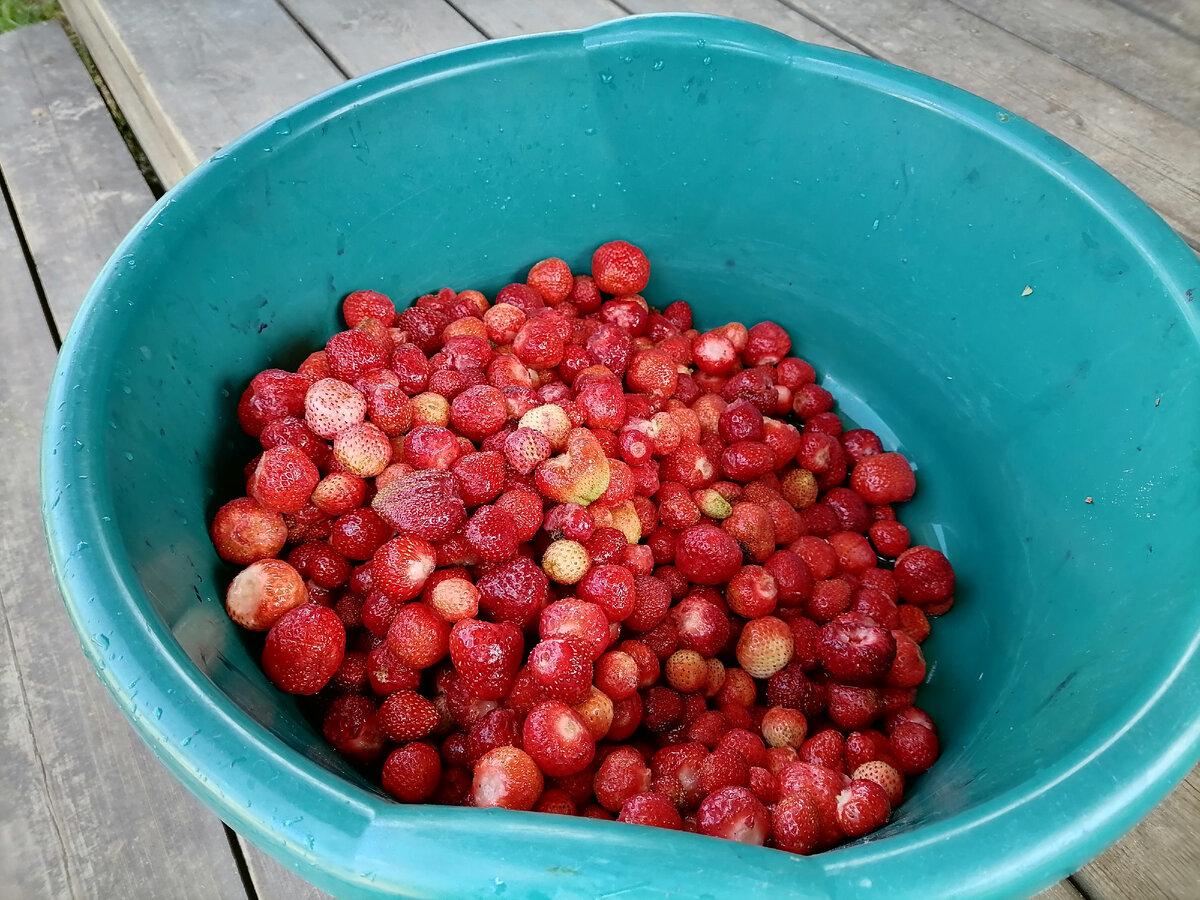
(894, 224)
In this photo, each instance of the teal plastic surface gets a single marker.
(890, 221)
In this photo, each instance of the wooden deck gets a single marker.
(86, 811)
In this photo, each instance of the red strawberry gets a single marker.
(486, 656)
(707, 555)
(426, 504)
(619, 267)
(304, 649)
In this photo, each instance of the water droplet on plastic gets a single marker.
(78, 445)
(101, 640)
(706, 60)
(606, 77)
(126, 389)
(589, 131)
(283, 126)
(658, 64)
(128, 456)
(292, 821)
(158, 712)
(875, 225)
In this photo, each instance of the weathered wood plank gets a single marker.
(505, 18)
(770, 13)
(1181, 15)
(1151, 152)
(1156, 859)
(273, 881)
(164, 158)
(33, 857)
(205, 73)
(74, 186)
(1061, 890)
(1136, 54)
(364, 35)
(121, 825)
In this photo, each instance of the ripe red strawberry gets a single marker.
(622, 775)
(883, 478)
(686, 671)
(263, 592)
(351, 725)
(914, 747)
(479, 476)
(563, 666)
(524, 506)
(339, 493)
(244, 531)
(271, 394)
(407, 716)
(411, 773)
(734, 813)
(557, 738)
(924, 576)
(284, 479)
(619, 267)
(862, 807)
(650, 809)
(854, 650)
(361, 305)
(507, 778)
(707, 555)
(304, 649)
(418, 637)
(514, 591)
(401, 566)
(426, 504)
(796, 823)
(486, 656)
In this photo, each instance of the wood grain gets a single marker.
(205, 73)
(1153, 63)
(105, 819)
(1150, 151)
(1156, 859)
(364, 35)
(274, 881)
(1181, 15)
(34, 860)
(164, 157)
(74, 186)
(1060, 890)
(770, 13)
(505, 18)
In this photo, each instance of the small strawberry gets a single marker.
(796, 824)
(563, 667)
(400, 567)
(580, 475)
(244, 531)
(884, 775)
(486, 656)
(525, 449)
(425, 503)
(619, 267)
(734, 813)
(411, 773)
(284, 479)
(491, 535)
(407, 716)
(566, 562)
(263, 592)
(784, 727)
(706, 554)
(765, 646)
(304, 649)
(507, 778)
(862, 807)
(352, 726)
(331, 406)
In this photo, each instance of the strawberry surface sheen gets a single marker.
(558, 549)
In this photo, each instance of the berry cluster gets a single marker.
(565, 552)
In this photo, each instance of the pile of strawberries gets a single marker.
(565, 552)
